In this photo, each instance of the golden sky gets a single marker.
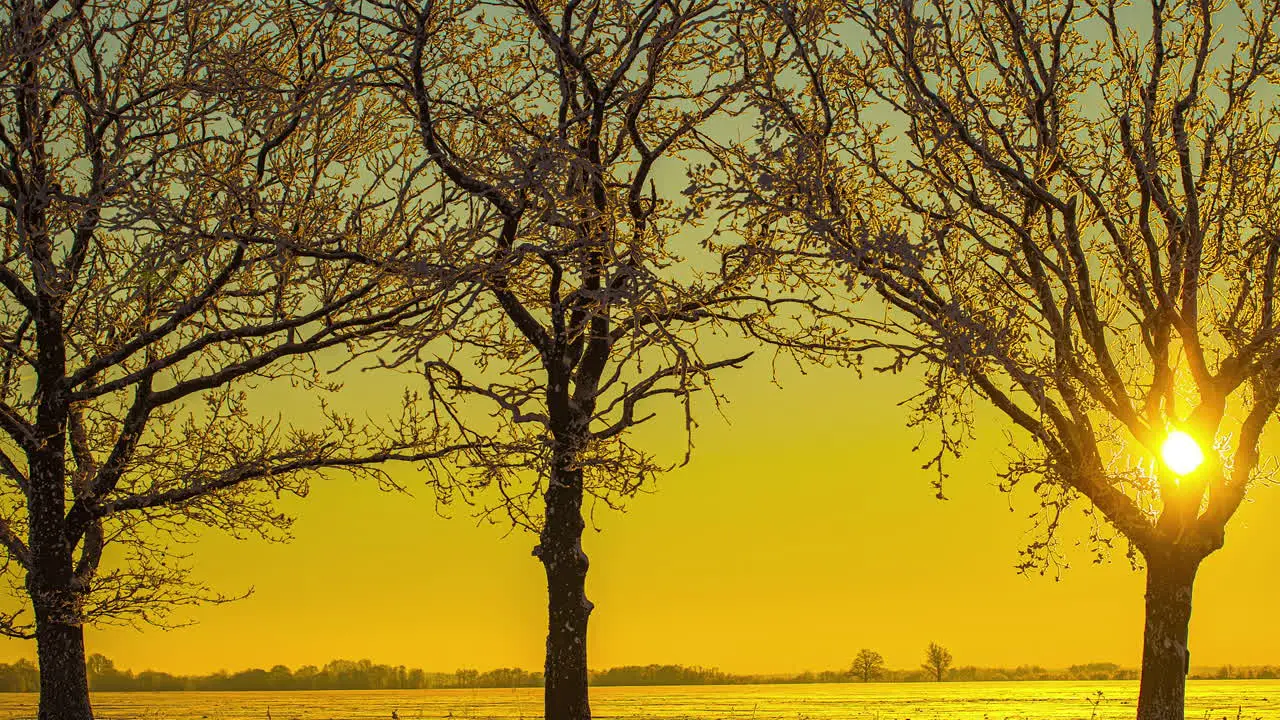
(802, 530)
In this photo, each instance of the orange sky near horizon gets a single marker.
(802, 530)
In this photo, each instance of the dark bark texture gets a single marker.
(560, 550)
(64, 683)
(1165, 654)
(51, 577)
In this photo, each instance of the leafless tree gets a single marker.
(1068, 212)
(181, 184)
(937, 660)
(600, 290)
(868, 664)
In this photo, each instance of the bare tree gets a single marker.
(868, 664)
(178, 182)
(1069, 210)
(599, 289)
(937, 660)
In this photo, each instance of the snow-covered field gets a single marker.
(1207, 700)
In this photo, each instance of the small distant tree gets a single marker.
(103, 674)
(868, 665)
(466, 677)
(937, 660)
(99, 665)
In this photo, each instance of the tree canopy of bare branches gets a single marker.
(868, 665)
(937, 660)
(1067, 211)
(189, 205)
(600, 286)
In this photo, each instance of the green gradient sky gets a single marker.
(801, 531)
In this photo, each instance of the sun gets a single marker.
(1181, 452)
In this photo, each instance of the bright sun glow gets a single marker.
(1181, 452)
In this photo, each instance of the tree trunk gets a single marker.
(64, 683)
(1165, 657)
(560, 549)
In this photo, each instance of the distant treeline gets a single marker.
(22, 676)
(1234, 672)
(680, 675)
(336, 675)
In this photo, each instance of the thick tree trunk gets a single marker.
(560, 549)
(1165, 656)
(64, 683)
